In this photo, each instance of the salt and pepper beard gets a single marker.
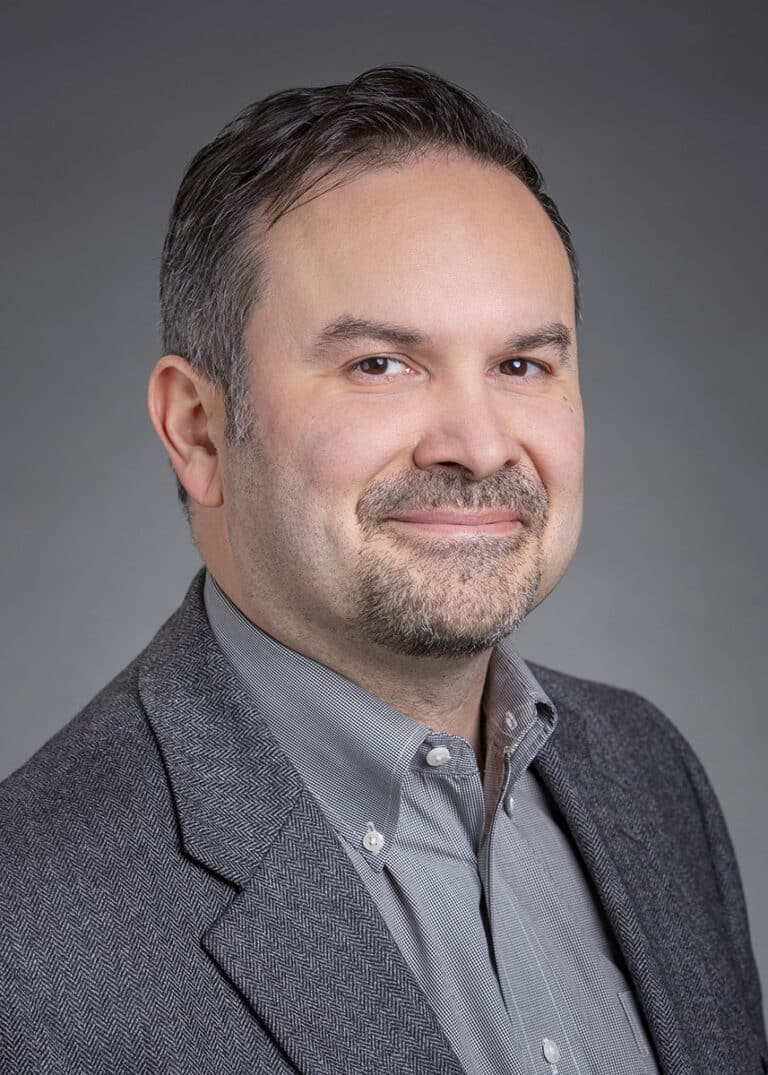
(446, 597)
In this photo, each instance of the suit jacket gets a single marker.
(172, 899)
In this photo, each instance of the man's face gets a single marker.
(421, 492)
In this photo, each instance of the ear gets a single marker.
(187, 412)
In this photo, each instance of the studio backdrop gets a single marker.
(648, 122)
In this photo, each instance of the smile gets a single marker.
(458, 523)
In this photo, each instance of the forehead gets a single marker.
(444, 231)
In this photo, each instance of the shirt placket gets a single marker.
(530, 989)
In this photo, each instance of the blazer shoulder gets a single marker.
(600, 702)
(96, 771)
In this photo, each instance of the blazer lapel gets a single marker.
(301, 939)
(559, 772)
(665, 930)
(306, 946)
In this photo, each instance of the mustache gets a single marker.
(507, 490)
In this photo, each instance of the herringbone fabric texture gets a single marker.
(173, 901)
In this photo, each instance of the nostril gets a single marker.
(457, 468)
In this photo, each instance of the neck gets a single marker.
(443, 693)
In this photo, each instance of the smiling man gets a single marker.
(329, 820)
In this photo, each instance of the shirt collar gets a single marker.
(519, 719)
(350, 748)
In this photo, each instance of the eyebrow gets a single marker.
(553, 334)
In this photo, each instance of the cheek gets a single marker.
(555, 444)
(556, 448)
(341, 453)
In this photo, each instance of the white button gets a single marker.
(438, 756)
(509, 805)
(373, 841)
(551, 1050)
(510, 720)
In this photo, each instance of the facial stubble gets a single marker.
(445, 597)
(425, 597)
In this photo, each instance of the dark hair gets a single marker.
(271, 155)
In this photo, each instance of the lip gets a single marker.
(459, 523)
(457, 518)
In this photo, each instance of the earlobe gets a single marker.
(184, 409)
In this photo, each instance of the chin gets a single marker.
(424, 621)
(441, 639)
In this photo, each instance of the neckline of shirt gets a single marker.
(351, 749)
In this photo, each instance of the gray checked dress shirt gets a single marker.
(476, 878)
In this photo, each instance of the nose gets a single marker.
(468, 430)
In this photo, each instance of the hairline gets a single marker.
(261, 221)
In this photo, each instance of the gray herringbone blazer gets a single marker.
(173, 901)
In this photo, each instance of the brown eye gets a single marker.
(380, 366)
(377, 364)
(522, 367)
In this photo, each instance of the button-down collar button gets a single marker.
(438, 756)
(510, 720)
(373, 840)
(551, 1051)
(509, 804)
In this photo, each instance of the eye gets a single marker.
(378, 366)
(523, 368)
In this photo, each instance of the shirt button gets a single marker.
(373, 840)
(551, 1050)
(510, 720)
(509, 806)
(438, 756)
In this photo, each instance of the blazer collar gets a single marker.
(301, 939)
(578, 789)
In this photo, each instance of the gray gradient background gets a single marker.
(648, 122)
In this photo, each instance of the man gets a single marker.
(329, 820)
